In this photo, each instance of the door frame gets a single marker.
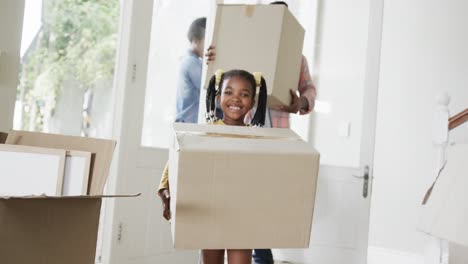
(371, 90)
(130, 83)
(10, 57)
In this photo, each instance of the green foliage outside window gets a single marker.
(77, 42)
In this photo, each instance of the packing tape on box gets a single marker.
(227, 135)
(249, 10)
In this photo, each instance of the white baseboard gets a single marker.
(377, 255)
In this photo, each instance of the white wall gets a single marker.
(11, 22)
(424, 51)
(339, 72)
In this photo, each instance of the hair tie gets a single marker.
(258, 78)
(218, 75)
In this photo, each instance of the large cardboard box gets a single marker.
(54, 229)
(241, 187)
(49, 230)
(446, 212)
(259, 38)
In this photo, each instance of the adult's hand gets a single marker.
(297, 104)
(210, 54)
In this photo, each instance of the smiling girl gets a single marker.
(235, 92)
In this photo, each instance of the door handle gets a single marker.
(365, 177)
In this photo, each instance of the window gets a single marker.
(67, 67)
(171, 21)
(68, 52)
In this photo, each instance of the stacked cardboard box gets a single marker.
(55, 229)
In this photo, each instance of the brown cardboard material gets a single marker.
(260, 38)
(55, 229)
(3, 137)
(100, 164)
(241, 192)
(49, 230)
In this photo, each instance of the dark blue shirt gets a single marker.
(188, 88)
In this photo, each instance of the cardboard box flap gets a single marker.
(200, 143)
(446, 212)
(249, 132)
(102, 148)
(45, 197)
(214, 139)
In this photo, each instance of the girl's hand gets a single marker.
(210, 54)
(166, 201)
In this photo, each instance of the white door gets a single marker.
(346, 68)
(345, 59)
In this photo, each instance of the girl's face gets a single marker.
(236, 100)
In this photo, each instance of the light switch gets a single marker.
(344, 129)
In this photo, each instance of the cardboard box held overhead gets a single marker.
(241, 187)
(260, 38)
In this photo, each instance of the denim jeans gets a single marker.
(263, 256)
